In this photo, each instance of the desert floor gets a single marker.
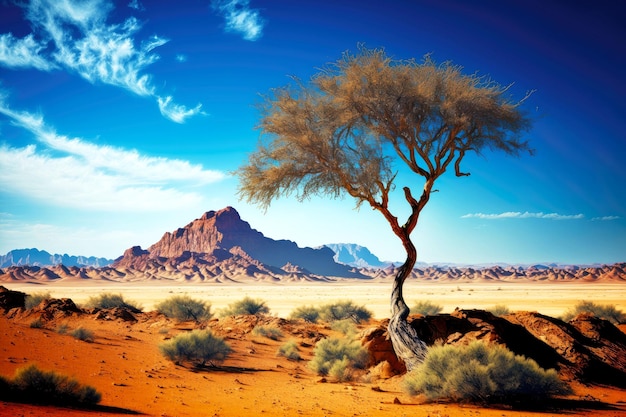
(552, 299)
(124, 363)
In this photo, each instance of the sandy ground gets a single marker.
(125, 365)
(546, 298)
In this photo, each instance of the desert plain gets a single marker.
(125, 365)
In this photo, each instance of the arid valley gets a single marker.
(125, 365)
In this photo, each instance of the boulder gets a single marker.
(588, 348)
(11, 299)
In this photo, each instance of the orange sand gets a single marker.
(126, 367)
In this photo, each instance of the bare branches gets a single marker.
(341, 132)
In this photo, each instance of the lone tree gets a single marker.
(344, 131)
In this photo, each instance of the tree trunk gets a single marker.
(408, 346)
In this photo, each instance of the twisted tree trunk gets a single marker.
(408, 346)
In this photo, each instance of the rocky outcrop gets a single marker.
(587, 348)
(11, 299)
(223, 237)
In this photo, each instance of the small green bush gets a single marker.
(33, 300)
(338, 358)
(481, 373)
(341, 370)
(271, 332)
(32, 385)
(346, 326)
(499, 310)
(426, 308)
(183, 307)
(307, 313)
(198, 348)
(606, 312)
(343, 310)
(63, 328)
(290, 351)
(246, 306)
(108, 300)
(37, 324)
(83, 334)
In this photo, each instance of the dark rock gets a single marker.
(11, 299)
(588, 349)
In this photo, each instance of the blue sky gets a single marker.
(120, 121)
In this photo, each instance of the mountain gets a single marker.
(222, 237)
(36, 257)
(221, 247)
(355, 255)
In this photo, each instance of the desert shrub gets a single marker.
(307, 313)
(108, 300)
(198, 348)
(346, 326)
(271, 332)
(426, 308)
(183, 307)
(33, 300)
(481, 373)
(606, 312)
(63, 328)
(290, 351)
(343, 310)
(32, 385)
(37, 324)
(83, 334)
(246, 306)
(499, 310)
(338, 358)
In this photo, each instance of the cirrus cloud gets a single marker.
(75, 36)
(90, 176)
(240, 18)
(524, 215)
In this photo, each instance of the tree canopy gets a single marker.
(343, 131)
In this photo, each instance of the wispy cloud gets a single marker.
(135, 4)
(524, 215)
(240, 18)
(23, 53)
(75, 36)
(176, 112)
(90, 176)
(606, 218)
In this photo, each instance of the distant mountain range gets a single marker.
(221, 247)
(36, 257)
(355, 255)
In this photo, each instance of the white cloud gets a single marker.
(606, 218)
(525, 215)
(74, 35)
(90, 176)
(240, 18)
(177, 112)
(181, 58)
(135, 4)
(24, 52)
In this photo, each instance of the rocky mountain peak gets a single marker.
(222, 235)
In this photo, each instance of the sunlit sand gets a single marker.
(546, 298)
